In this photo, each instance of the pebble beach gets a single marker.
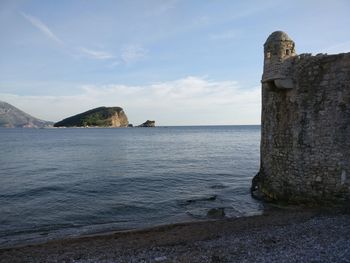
(291, 235)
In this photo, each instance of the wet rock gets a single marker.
(201, 199)
(216, 212)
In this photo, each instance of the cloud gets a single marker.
(338, 48)
(133, 53)
(95, 54)
(129, 54)
(187, 101)
(162, 7)
(201, 21)
(224, 35)
(42, 27)
(114, 64)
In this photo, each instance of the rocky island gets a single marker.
(98, 117)
(12, 117)
(148, 124)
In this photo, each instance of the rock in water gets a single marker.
(148, 123)
(11, 117)
(98, 117)
(216, 212)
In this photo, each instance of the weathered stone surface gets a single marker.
(278, 51)
(305, 137)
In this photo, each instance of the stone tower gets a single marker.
(305, 125)
(279, 50)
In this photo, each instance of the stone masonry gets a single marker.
(305, 126)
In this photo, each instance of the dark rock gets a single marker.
(216, 212)
(148, 123)
(202, 199)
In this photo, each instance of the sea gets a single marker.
(68, 182)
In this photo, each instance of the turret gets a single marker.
(278, 49)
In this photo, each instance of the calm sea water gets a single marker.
(57, 183)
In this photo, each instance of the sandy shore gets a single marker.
(277, 236)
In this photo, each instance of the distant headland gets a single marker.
(111, 117)
(98, 117)
(12, 117)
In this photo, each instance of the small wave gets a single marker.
(241, 191)
(39, 191)
(218, 186)
(206, 213)
(198, 199)
(123, 208)
(47, 169)
(35, 230)
(224, 174)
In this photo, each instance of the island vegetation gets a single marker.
(98, 117)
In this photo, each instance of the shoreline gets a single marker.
(72, 233)
(269, 236)
(126, 230)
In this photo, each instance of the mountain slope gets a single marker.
(11, 117)
(98, 117)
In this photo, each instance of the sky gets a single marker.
(179, 62)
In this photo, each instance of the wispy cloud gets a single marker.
(190, 100)
(42, 27)
(128, 55)
(338, 48)
(96, 54)
(230, 34)
(133, 53)
(162, 7)
(201, 21)
(253, 10)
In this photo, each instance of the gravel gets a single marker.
(278, 236)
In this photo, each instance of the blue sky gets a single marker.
(180, 62)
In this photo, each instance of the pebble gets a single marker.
(159, 259)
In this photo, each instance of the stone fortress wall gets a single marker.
(305, 137)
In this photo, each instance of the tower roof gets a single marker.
(278, 36)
